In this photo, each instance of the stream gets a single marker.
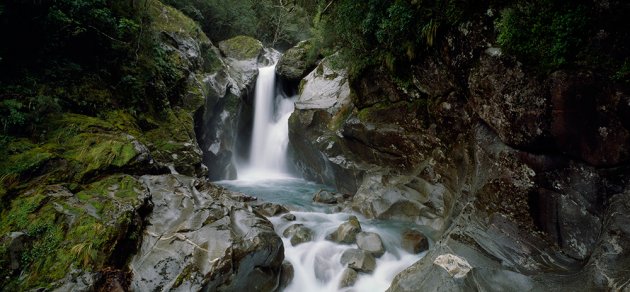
(316, 263)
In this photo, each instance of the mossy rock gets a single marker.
(241, 48)
(69, 231)
(296, 62)
(170, 20)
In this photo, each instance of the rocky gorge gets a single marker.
(517, 180)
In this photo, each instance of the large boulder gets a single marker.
(346, 232)
(358, 260)
(241, 48)
(199, 238)
(370, 242)
(298, 234)
(296, 62)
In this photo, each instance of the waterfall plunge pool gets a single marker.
(317, 263)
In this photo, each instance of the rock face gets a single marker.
(455, 266)
(295, 62)
(370, 242)
(200, 239)
(346, 232)
(513, 170)
(228, 111)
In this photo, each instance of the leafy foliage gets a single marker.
(274, 22)
(386, 33)
(544, 32)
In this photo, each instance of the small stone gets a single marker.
(348, 278)
(371, 242)
(325, 197)
(414, 242)
(358, 260)
(289, 217)
(346, 232)
(298, 234)
(270, 209)
(456, 266)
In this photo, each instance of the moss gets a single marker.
(123, 121)
(66, 232)
(211, 61)
(170, 20)
(241, 47)
(340, 117)
(184, 275)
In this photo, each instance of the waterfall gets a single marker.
(270, 136)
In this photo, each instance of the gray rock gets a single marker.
(358, 260)
(286, 274)
(288, 217)
(414, 241)
(346, 232)
(270, 209)
(371, 242)
(199, 238)
(295, 62)
(298, 234)
(18, 242)
(348, 278)
(325, 197)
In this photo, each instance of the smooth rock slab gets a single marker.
(371, 242)
(358, 260)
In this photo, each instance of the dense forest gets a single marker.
(96, 93)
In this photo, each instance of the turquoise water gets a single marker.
(317, 263)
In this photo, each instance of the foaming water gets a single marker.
(317, 263)
(270, 136)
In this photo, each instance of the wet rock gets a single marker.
(602, 139)
(219, 244)
(348, 278)
(286, 275)
(358, 260)
(456, 266)
(270, 209)
(288, 217)
(298, 234)
(346, 232)
(18, 242)
(325, 197)
(516, 105)
(414, 241)
(295, 62)
(370, 242)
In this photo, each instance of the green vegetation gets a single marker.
(275, 23)
(555, 34)
(78, 232)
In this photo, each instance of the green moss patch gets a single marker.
(241, 47)
(69, 231)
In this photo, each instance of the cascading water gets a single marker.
(316, 263)
(270, 136)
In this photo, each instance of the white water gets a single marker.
(316, 264)
(271, 130)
